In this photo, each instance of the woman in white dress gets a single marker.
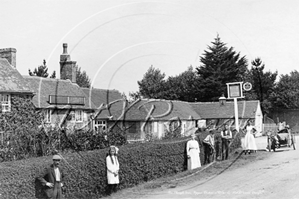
(193, 153)
(112, 166)
(249, 142)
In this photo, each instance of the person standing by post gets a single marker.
(209, 146)
(193, 153)
(249, 142)
(226, 135)
(112, 166)
(52, 180)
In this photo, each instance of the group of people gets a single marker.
(53, 178)
(210, 148)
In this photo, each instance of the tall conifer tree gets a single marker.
(220, 65)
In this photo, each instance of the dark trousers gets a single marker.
(225, 149)
(111, 188)
(57, 191)
(207, 152)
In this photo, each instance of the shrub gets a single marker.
(23, 136)
(86, 171)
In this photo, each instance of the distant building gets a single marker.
(215, 113)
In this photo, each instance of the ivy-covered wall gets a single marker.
(19, 129)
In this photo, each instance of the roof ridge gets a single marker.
(46, 78)
(242, 101)
(101, 89)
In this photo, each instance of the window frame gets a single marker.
(5, 103)
(48, 114)
(102, 124)
(76, 116)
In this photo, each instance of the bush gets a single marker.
(23, 136)
(86, 171)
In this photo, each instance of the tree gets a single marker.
(182, 87)
(263, 84)
(41, 71)
(153, 83)
(53, 76)
(286, 94)
(220, 65)
(133, 96)
(82, 78)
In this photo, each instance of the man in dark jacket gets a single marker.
(52, 180)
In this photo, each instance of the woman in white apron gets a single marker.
(193, 153)
(112, 166)
(249, 142)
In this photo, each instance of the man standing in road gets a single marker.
(209, 146)
(226, 136)
(52, 180)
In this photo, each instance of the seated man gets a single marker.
(285, 136)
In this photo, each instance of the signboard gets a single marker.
(235, 90)
(247, 86)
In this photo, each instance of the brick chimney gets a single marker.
(67, 67)
(9, 54)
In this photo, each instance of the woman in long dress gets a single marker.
(112, 165)
(193, 153)
(249, 142)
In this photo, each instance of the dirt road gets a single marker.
(274, 177)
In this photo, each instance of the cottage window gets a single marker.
(101, 124)
(5, 102)
(72, 116)
(76, 116)
(48, 116)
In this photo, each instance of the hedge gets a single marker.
(86, 171)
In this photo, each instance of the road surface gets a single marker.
(274, 177)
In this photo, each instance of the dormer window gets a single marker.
(5, 102)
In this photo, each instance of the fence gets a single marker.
(269, 127)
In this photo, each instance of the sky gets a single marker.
(116, 42)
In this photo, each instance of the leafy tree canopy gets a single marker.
(263, 84)
(152, 84)
(133, 96)
(41, 71)
(286, 95)
(82, 78)
(183, 86)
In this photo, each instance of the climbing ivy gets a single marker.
(19, 129)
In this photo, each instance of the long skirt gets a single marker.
(194, 160)
(249, 142)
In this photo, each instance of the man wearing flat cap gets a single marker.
(52, 180)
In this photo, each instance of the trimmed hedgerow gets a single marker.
(86, 171)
